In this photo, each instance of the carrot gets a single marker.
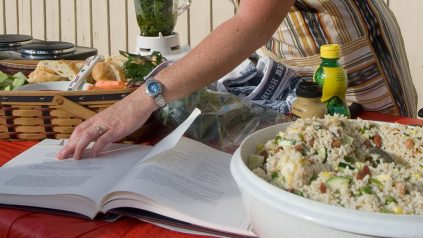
(109, 85)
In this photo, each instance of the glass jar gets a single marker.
(308, 104)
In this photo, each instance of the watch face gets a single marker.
(153, 88)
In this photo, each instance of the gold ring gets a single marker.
(99, 130)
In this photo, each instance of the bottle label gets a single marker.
(335, 84)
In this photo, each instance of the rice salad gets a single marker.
(331, 160)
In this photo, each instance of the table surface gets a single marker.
(20, 223)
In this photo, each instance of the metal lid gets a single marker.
(308, 89)
(46, 48)
(13, 41)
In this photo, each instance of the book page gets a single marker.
(36, 178)
(37, 172)
(191, 179)
(173, 138)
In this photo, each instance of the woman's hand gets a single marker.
(110, 125)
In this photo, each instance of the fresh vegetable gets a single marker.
(349, 159)
(278, 139)
(286, 142)
(377, 183)
(8, 82)
(323, 154)
(344, 165)
(389, 200)
(365, 190)
(348, 140)
(107, 84)
(255, 161)
(338, 184)
(299, 193)
(137, 66)
(385, 210)
(259, 148)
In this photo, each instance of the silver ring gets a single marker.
(99, 130)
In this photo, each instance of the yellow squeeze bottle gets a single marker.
(332, 78)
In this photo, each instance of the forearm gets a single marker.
(224, 48)
(220, 52)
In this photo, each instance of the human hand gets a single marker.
(109, 125)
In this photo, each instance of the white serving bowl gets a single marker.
(48, 86)
(56, 86)
(274, 212)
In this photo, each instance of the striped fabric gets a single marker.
(372, 50)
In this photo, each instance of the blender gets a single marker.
(157, 19)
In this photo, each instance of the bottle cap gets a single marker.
(308, 89)
(330, 51)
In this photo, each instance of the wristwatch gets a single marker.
(153, 88)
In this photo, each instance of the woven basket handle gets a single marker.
(72, 107)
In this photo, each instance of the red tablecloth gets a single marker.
(17, 223)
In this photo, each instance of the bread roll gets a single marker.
(117, 59)
(108, 71)
(118, 71)
(38, 76)
(102, 71)
(59, 67)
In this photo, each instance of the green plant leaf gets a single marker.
(138, 66)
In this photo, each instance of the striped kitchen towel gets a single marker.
(268, 83)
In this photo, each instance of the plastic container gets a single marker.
(332, 78)
(307, 103)
(274, 212)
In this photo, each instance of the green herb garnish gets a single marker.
(345, 165)
(314, 177)
(138, 66)
(365, 190)
(385, 210)
(349, 159)
(377, 183)
(278, 139)
(389, 199)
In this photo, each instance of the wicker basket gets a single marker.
(36, 115)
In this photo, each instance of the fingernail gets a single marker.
(59, 156)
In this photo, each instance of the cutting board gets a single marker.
(14, 66)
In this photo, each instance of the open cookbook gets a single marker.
(178, 182)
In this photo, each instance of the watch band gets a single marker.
(160, 101)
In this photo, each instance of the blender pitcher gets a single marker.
(158, 16)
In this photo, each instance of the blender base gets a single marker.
(168, 46)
